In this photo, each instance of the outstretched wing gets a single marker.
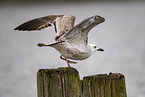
(38, 23)
(62, 24)
(78, 36)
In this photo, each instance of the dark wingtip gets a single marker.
(21, 29)
(40, 44)
(16, 28)
(100, 18)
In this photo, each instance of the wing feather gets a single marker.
(62, 24)
(79, 34)
(38, 23)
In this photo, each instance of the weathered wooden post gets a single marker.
(103, 85)
(61, 82)
(65, 82)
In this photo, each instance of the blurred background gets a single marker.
(122, 36)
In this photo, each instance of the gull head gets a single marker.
(94, 48)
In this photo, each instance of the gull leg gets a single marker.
(68, 61)
(61, 57)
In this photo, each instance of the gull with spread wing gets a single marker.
(71, 41)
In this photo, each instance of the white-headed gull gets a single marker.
(71, 41)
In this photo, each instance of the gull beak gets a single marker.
(100, 49)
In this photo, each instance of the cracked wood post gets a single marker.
(61, 82)
(65, 82)
(103, 85)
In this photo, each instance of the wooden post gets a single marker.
(61, 82)
(103, 85)
(65, 82)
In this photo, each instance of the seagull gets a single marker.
(70, 41)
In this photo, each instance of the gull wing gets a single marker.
(78, 36)
(61, 23)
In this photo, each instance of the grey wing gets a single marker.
(78, 36)
(62, 24)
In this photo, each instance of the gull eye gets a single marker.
(95, 47)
